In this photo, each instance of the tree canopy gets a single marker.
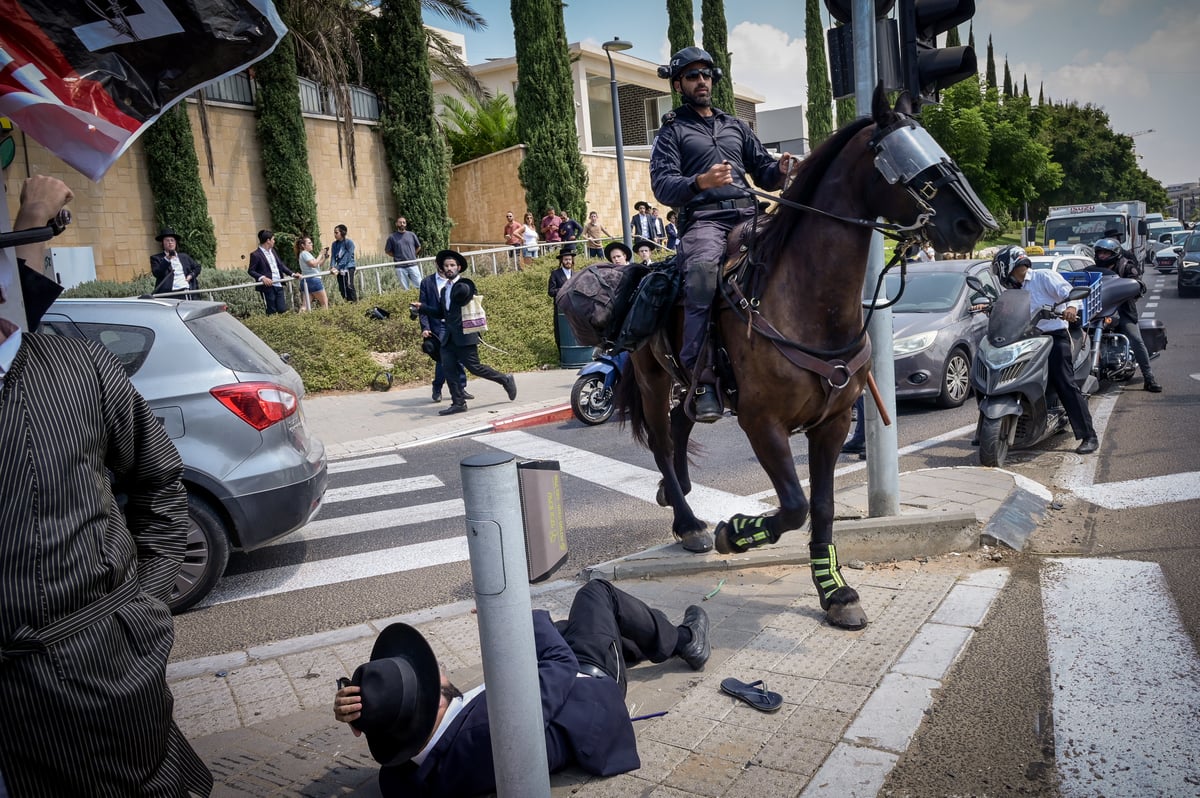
(820, 94)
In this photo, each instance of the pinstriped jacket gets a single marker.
(89, 714)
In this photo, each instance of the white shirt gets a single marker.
(8, 353)
(1046, 287)
(273, 262)
(180, 281)
(452, 711)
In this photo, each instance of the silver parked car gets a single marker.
(936, 333)
(233, 408)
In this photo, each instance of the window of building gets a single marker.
(655, 108)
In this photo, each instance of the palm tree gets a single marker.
(476, 127)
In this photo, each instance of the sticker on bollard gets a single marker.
(540, 484)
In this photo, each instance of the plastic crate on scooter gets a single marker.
(1091, 280)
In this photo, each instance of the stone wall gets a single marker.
(116, 216)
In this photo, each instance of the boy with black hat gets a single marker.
(173, 270)
(460, 349)
(433, 740)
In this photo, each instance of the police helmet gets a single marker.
(681, 59)
(1108, 251)
(1005, 261)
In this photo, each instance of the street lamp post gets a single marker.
(617, 45)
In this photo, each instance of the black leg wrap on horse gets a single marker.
(839, 600)
(744, 532)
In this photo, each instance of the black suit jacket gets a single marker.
(586, 723)
(558, 278)
(460, 294)
(259, 268)
(160, 267)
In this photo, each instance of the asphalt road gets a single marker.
(991, 730)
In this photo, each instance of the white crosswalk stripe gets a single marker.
(372, 489)
(363, 463)
(1125, 679)
(380, 519)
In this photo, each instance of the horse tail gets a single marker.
(629, 403)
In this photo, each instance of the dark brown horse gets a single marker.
(807, 357)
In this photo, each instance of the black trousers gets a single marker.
(345, 281)
(455, 358)
(1072, 398)
(610, 629)
(276, 299)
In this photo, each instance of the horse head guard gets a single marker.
(950, 214)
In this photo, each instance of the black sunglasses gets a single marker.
(696, 74)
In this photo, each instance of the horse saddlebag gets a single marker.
(1154, 333)
(595, 300)
(650, 307)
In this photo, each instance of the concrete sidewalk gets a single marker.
(262, 718)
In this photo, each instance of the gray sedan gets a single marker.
(935, 331)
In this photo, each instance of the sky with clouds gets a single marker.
(1138, 59)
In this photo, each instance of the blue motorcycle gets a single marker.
(592, 394)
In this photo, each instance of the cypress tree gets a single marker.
(716, 42)
(552, 173)
(1041, 93)
(991, 66)
(173, 172)
(971, 36)
(416, 152)
(681, 33)
(847, 107)
(1024, 85)
(291, 194)
(820, 94)
(1008, 81)
(952, 37)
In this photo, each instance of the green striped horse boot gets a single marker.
(839, 600)
(744, 532)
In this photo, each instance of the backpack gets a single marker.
(650, 305)
(595, 300)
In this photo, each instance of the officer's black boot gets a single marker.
(700, 283)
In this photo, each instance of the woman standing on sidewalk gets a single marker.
(310, 265)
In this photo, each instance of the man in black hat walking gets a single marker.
(699, 163)
(558, 278)
(642, 222)
(173, 270)
(460, 349)
(433, 740)
(432, 330)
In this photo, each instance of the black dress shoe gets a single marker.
(1090, 444)
(437, 396)
(452, 409)
(696, 652)
(854, 448)
(1152, 385)
(467, 396)
(708, 406)
(510, 386)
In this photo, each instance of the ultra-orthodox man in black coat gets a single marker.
(84, 704)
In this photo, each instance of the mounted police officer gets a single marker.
(699, 164)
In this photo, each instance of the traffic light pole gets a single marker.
(883, 463)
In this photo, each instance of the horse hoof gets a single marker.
(697, 542)
(846, 616)
(754, 532)
(661, 497)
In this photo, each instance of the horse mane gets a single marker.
(808, 176)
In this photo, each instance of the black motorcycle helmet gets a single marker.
(1005, 261)
(1108, 252)
(688, 55)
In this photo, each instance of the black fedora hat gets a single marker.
(167, 231)
(641, 242)
(567, 249)
(432, 347)
(641, 204)
(449, 253)
(611, 245)
(401, 692)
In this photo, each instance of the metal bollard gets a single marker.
(496, 543)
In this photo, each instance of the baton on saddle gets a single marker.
(883, 415)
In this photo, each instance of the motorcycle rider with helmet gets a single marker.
(1111, 259)
(699, 164)
(1047, 287)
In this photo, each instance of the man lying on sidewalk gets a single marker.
(434, 741)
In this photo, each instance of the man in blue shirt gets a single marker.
(343, 263)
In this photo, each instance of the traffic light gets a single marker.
(928, 69)
(840, 48)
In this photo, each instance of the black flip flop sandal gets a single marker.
(755, 694)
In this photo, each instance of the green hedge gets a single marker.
(331, 349)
